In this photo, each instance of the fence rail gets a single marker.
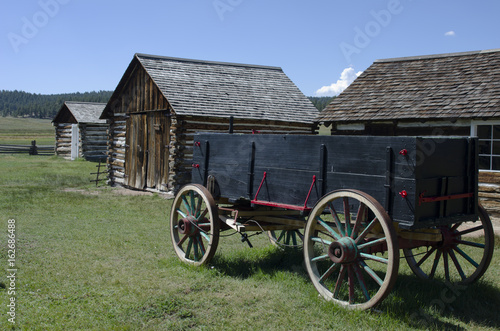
(32, 149)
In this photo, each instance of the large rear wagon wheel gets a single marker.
(194, 225)
(461, 257)
(350, 249)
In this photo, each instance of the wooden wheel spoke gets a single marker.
(340, 280)
(204, 235)
(455, 226)
(435, 264)
(198, 209)
(181, 213)
(321, 240)
(474, 229)
(372, 243)
(470, 243)
(320, 258)
(195, 246)
(457, 265)
(426, 256)
(374, 258)
(193, 203)
(329, 272)
(288, 236)
(328, 228)
(202, 246)
(186, 205)
(188, 249)
(361, 281)
(371, 273)
(282, 234)
(351, 283)
(347, 216)
(336, 219)
(446, 266)
(467, 257)
(366, 230)
(359, 218)
(179, 244)
(202, 215)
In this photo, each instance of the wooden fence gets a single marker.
(32, 149)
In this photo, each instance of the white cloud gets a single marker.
(450, 34)
(346, 78)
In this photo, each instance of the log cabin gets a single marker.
(79, 131)
(161, 102)
(435, 95)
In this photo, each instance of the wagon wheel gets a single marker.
(344, 232)
(194, 225)
(286, 238)
(462, 256)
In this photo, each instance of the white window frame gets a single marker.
(473, 133)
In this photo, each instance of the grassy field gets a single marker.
(21, 131)
(91, 258)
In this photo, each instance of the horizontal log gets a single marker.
(489, 177)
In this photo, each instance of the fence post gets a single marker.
(33, 148)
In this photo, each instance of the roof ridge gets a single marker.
(436, 56)
(86, 102)
(139, 55)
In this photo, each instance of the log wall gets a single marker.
(116, 149)
(93, 141)
(63, 140)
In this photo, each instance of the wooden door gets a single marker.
(146, 159)
(135, 158)
(158, 140)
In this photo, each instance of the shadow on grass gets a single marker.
(272, 260)
(431, 304)
(420, 304)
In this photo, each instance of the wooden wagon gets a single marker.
(352, 202)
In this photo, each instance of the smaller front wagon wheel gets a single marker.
(194, 225)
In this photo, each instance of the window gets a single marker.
(489, 146)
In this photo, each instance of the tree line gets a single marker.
(24, 104)
(321, 102)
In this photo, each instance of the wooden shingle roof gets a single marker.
(80, 112)
(220, 89)
(445, 86)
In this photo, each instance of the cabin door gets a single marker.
(146, 159)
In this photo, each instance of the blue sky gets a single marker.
(60, 46)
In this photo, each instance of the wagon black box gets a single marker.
(420, 181)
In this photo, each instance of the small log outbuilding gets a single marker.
(161, 102)
(438, 95)
(79, 131)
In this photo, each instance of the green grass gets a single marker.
(89, 258)
(21, 131)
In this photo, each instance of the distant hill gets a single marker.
(24, 104)
(321, 102)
